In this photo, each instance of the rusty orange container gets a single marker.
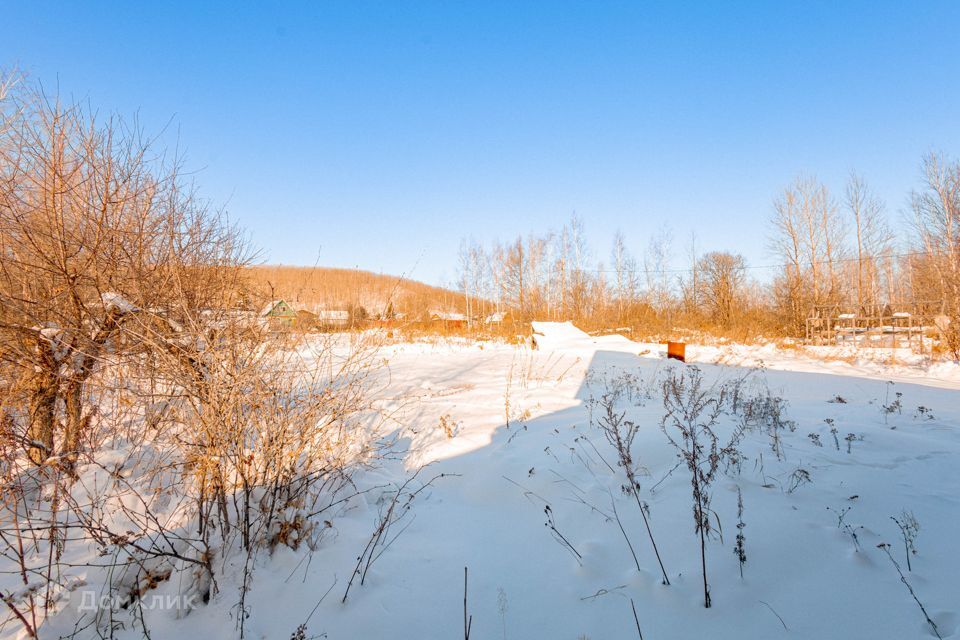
(677, 351)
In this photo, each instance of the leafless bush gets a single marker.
(909, 529)
(740, 549)
(887, 408)
(257, 442)
(833, 432)
(395, 508)
(798, 478)
(768, 412)
(144, 409)
(561, 539)
(103, 250)
(620, 433)
(845, 527)
(841, 514)
(933, 626)
(692, 412)
(851, 438)
(503, 606)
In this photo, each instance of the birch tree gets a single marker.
(625, 276)
(936, 220)
(872, 236)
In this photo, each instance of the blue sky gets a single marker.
(379, 134)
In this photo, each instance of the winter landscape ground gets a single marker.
(366, 320)
(531, 495)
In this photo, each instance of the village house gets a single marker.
(449, 320)
(333, 318)
(279, 314)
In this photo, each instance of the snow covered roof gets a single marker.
(448, 316)
(333, 314)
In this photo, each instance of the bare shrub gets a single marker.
(740, 549)
(766, 411)
(145, 411)
(845, 527)
(620, 433)
(692, 412)
(561, 539)
(909, 529)
(393, 510)
(93, 235)
(933, 626)
(104, 249)
(888, 407)
(936, 216)
(798, 478)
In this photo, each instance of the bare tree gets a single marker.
(936, 219)
(692, 411)
(872, 234)
(473, 278)
(93, 232)
(809, 238)
(625, 275)
(789, 288)
(690, 285)
(123, 332)
(656, 263)
(514, 281)
(578, 282)
(722, 280)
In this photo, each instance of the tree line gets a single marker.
(832, 252)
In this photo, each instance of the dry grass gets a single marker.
(350, 289)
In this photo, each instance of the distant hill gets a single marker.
(323, 287)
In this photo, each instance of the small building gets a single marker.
(449, 320)
(306, 321)
(333, 318)
(499, 317)
(280, 313)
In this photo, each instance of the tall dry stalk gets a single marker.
(691, 415)
(620, 433)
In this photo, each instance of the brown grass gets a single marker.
(350, 289)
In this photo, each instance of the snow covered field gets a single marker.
(513, 428)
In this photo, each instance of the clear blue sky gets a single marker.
(379, 134)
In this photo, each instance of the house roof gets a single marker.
(270, 306)
(443, 315)
(333, 314)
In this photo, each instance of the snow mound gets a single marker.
(556, 335)
(550, 335)
(114, 301)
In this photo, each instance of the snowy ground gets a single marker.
(805, 577)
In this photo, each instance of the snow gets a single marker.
(801, 567)
(333, 315)
(116, 301)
